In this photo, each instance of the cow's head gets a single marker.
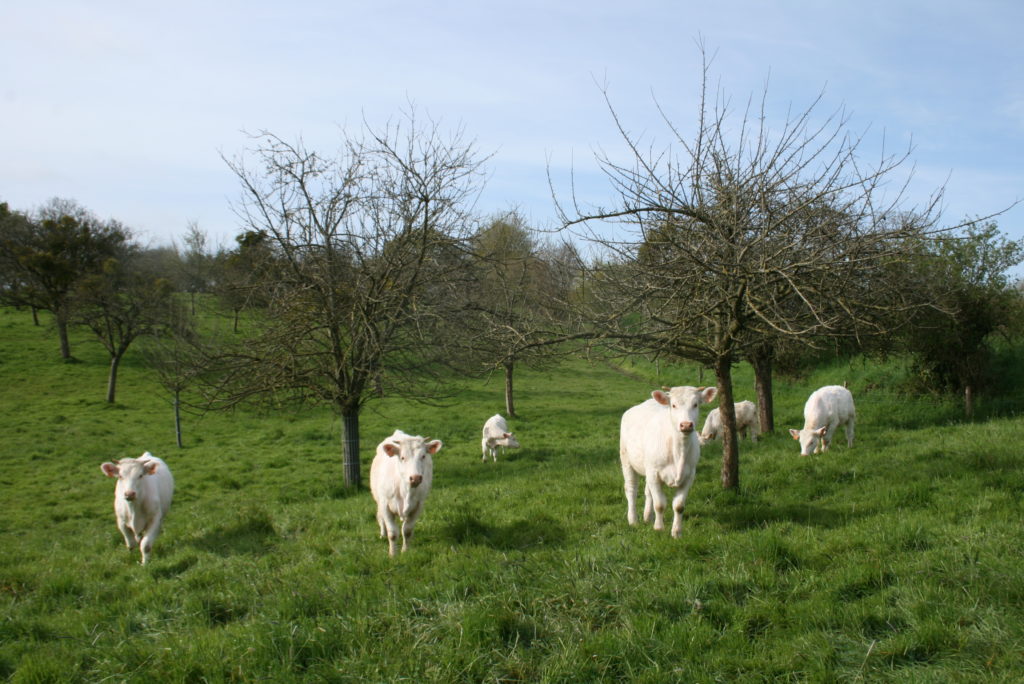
(414, 456)
(129, 472)
(684, 405)
(810, 439)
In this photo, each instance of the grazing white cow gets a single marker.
(496, 434)
(142, 498)
(658, 439)
(400, 478)
(826, 409)
(746, 419)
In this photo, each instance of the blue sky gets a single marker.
(127, 107)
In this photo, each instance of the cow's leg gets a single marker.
(678, 505)
(658, 499)
(408, 523)
(648, 504)
(849, 432)
(629, 485)
(390, 524)
(149, 538)
(128, 534)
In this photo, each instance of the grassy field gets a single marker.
(897, 560)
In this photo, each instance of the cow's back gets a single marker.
(829, 405)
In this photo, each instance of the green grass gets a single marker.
(898, 560)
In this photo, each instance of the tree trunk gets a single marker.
(177, 417)
(35, 315)
(350, 444)
(115, 361)
(727, 411)
(969, 402)
(62, 332)
(510, 405)
(761, 360)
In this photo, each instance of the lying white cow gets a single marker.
(400, 479)
(496, 434)
(826, 409)
(658, 439)
(746, 419)
(142, 498)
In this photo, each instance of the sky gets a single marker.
(130, 108)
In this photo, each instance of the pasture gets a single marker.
(898, 560)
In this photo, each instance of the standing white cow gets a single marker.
(658, 440)
(496, 434)
(400, 478)
(142, 498)
(826, 409)
(746, 419)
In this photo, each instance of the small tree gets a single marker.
(516, 299)
(367, 243)
(953, 346)
(196, 264)
(121, 304)
(47, 257)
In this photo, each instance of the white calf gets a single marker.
(826, 409)
(746, 419)
(658, 440)
(496, 434)
(142, 498)
(400, 478)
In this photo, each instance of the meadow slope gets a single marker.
(897, 560)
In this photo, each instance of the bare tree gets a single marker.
(121, 303)
(738, 234)
(517, 299)
(366, 243)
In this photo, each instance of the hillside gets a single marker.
(896, 560)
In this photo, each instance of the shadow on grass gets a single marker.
(519, 535)
(743, 516)
(252, 534)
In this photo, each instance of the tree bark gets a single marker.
(62, 332)
(761, 360)
(177, 417)
(727, 411)
(969, 402)
(350, 447)
(510, 405)
(115, 361)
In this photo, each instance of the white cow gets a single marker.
(826, 409)
(142, 498)
(496, 434)
(658, 439)
(400, 478)
(746, 419)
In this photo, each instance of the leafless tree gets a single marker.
(516, 313)
(736, 235)
(366, 244)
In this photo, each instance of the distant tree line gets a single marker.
(365, 273)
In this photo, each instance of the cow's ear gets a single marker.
(795, 433)
(109, 469)
(821, 431)
(506, 435)
(708, 393)
(391, 449)
(434, 446)
(150, 467)
(660, 397)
